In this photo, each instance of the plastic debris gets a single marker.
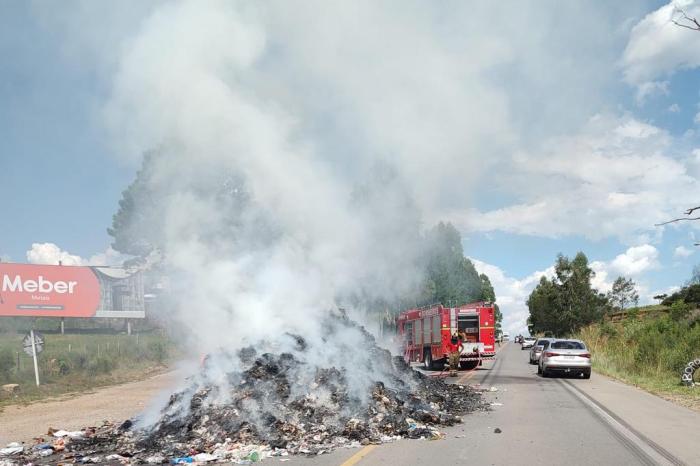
(278, 404)
(11, 449)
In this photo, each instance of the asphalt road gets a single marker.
(546, 422)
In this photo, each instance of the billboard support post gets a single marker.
(128, 327)
(63, 329)
(36, 366)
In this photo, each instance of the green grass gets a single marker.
(649, 354)
(77, 363)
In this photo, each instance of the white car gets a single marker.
(528, 342)
(565, 357)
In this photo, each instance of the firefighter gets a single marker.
(455, 348)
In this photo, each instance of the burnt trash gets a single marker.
(275, 404)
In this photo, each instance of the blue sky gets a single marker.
(581, 136)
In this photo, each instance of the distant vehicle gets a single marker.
(506, 336)
(565, 357)
(540, 345)
(527, 342)
(426, 333)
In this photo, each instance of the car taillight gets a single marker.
(549, 354)
(585, 355)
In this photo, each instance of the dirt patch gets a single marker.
(24, 422)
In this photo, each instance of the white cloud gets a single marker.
(651, 89)
(682, 252)
(512, 294)
(636, 260)
(658, 48)
(51, 254)
(674, 108)
(616, 178)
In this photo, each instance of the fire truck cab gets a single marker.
(426, 332)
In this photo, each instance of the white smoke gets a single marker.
(193, 83)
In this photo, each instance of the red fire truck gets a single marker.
(426, 332)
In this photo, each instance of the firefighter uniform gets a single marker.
(455, 350)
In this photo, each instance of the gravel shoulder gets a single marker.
(115, 403)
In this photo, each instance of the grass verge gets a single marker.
(648, 354)
(79, 363)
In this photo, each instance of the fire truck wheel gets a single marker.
(427, 360)
(468, 365)
(431, 365)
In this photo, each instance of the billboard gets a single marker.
(28, 290)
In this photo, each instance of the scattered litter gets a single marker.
(11, 449)
(276, 404)
(496, 404)
(493, 389)
(183, 460)
(72, 435)
(497, 430)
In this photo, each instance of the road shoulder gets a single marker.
(661, 421)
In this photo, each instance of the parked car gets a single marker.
(565, 357)
(540, 345)
(527, 342)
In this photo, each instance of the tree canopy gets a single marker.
(567, 302)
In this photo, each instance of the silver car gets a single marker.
(527, 342)
(540, 345)
(565, 357)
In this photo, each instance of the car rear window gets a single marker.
(567, 345)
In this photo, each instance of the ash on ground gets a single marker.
(275, 404)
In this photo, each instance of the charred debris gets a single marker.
(274, 404)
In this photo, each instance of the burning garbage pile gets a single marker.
(278, 404)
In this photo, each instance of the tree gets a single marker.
(694, 277)
(455, 279)
(685, 21)
(623, 293)
(140, 226)
(567, 302)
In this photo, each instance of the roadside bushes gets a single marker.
(71, 359)
(647, 348)
(7, 362)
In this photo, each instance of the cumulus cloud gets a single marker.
(616, 178)
(651, 89)
(636, 260)
(682, 252)
(512, 294)
(674, 108)
(51, 254)
(658, 48)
